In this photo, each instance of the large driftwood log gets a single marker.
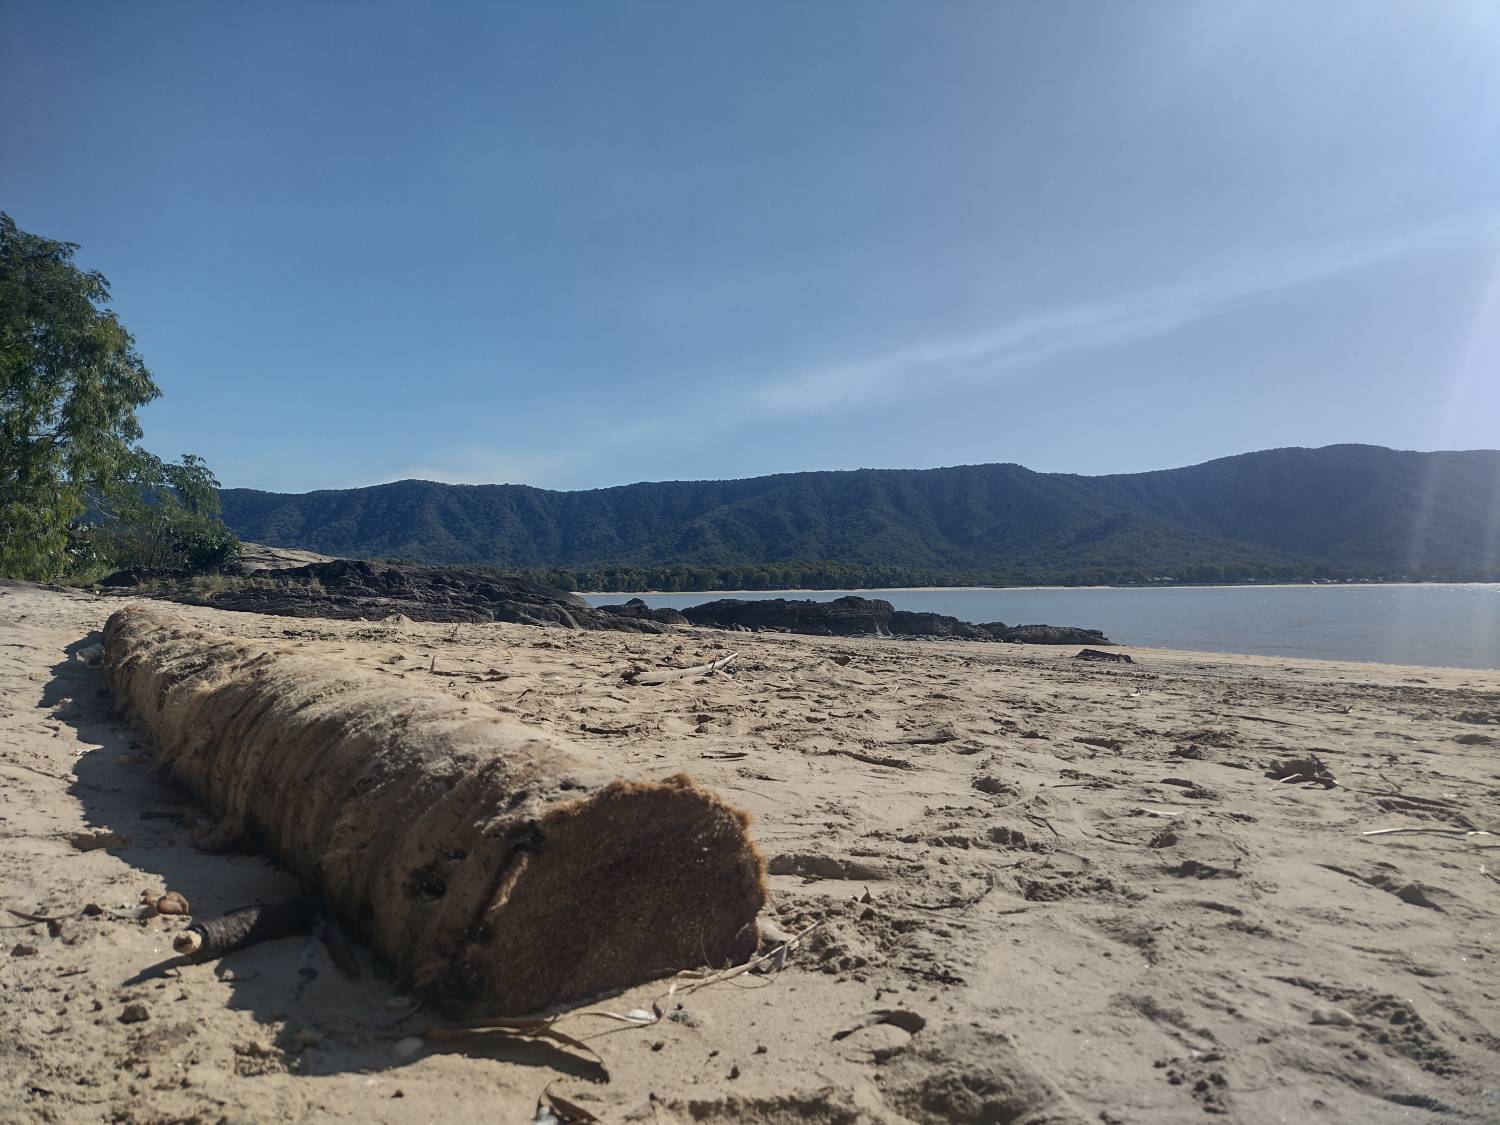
(499, 870)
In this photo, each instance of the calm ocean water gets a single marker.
(1456, 626)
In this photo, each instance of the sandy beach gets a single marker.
(1074, 884)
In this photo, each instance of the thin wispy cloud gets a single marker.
(1032, 338)
(1007, 351)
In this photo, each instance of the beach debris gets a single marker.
(936, 738)
(667, 675)
(812, 865)
(153, 904)
(1113, 744)
(552, 1107)
(1100, 654)
(249, 925)
(532, 825)
(770, 931)
(778, 940)
(135, 1013)
(1310, 772)
(93, 841)
(1426, 832)
(51, 921)
(92, 655)
(907, 1021)
(876, 759)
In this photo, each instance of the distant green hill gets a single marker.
(1339, 511)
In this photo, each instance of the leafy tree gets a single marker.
(164, 517)
(70, 384)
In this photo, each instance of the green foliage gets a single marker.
(1278, 515)
(70, 384)
(163, 517)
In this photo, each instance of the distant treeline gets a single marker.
(837, 576)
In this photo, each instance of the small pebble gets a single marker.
(135, 1013)
(21, 949)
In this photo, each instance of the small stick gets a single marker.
(1426, 832)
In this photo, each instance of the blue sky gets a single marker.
(583, 244)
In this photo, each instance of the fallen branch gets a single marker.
(667, 675)
(931, 740)
(215, 937)
(249, 925)
(1426, 832)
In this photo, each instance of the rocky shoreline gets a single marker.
(853, 616)
(348, 589)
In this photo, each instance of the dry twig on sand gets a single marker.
(667, 675)
(1426, 832)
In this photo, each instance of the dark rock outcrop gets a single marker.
(636, 608)
(349, 589)
(842, 617)
(354, 589)
(852, 616)
(906, 623)
(1045, 634)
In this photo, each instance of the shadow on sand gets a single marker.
(324, 1022)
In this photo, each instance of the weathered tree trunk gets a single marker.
(500, 870)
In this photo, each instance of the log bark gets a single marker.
(499, 870)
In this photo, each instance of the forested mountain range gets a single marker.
(1339, 511)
